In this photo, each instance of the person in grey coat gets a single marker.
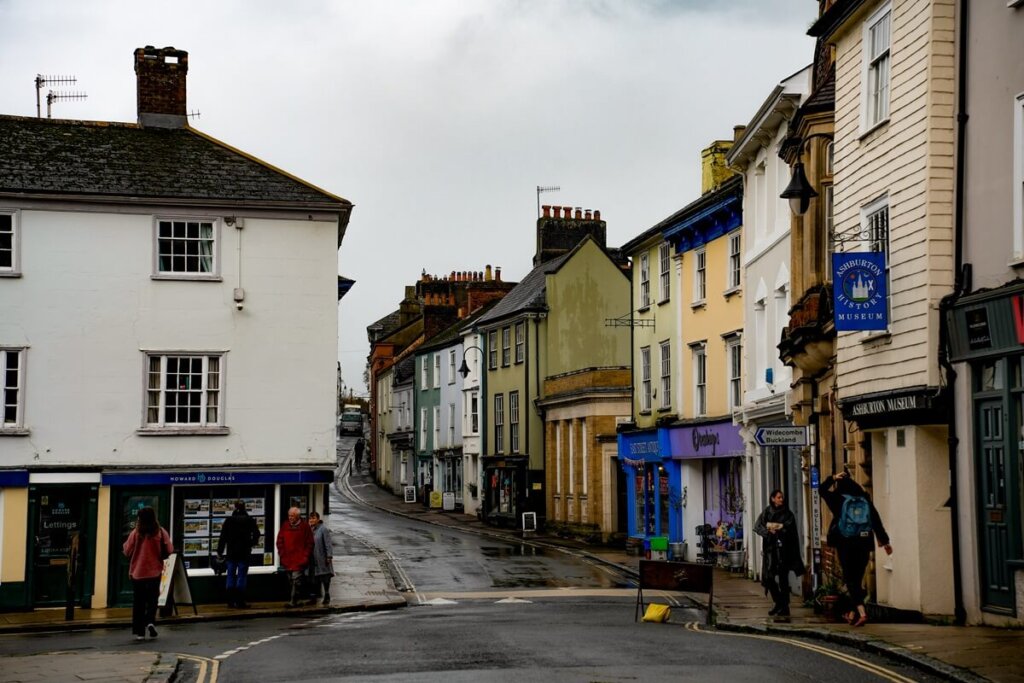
(323, 556)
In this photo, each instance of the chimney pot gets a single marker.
(497, 274)
(547, 210)
(566, 212)
(587, 214)
(579, 213)
(597, 215)
(487, 272)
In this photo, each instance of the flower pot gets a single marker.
(736, 558)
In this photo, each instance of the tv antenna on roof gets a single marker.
(542, 189)
(193, 115)
(52, 96)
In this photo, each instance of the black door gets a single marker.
(63, 524)
(125, 505)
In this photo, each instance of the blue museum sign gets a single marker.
(859, 291)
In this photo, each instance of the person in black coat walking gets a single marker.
(853, 546)
(238, 536)
(781, 551)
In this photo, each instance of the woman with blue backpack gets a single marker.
(855, 522)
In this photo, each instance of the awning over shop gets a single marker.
(199, 477)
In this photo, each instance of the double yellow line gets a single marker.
(862, 664)
(208, 668)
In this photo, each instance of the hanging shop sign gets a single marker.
(712, 440)
(859, 291)
(987, 324)
(914, 405)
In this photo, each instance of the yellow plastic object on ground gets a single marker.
(658, 614)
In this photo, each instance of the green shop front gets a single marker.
(193, 505)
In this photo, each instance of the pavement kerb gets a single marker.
(65, 626)
(870, 644)
(165, 668)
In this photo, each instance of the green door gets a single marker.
(125, 505)
(63, 524)
(995, 511)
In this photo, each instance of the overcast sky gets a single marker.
(436, 118)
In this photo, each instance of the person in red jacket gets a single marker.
(294, 547)
(147, 547)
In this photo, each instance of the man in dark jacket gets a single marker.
(238, 536)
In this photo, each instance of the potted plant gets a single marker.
(827, 598)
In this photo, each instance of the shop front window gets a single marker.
(200, 512)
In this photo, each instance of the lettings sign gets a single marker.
(859, 291)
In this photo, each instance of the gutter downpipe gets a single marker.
(945, 305)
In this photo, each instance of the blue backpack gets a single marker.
(855, 517)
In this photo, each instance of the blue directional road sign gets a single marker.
(781, 436)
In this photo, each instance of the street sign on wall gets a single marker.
(781, 436)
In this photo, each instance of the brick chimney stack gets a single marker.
(160, 82)
(560, 228)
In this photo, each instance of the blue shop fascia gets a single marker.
(666, 465)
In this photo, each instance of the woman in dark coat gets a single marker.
(781, 552)
(853, 552)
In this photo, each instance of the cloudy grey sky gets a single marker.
(437, 118)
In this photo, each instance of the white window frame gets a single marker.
(474, 412)
(734, 264)
(214, 257)
(492, 350)
(451, 424)
(12, 381)
(437, 427)
(571, 459)
(1018, 178)
(506, 346)
(870, 240)
(513, 421)
(876, 69)
(585, 457)
(645, 280)
(14, 269)
(666, 374)
(451, 366)
(665, 271)
(437, 370)
(645, 379)
(424, 373)
(499, 423)
(423, 429)
(700, 276)
(734, 371)
(700, 379)
(520, 342)
(206, 392)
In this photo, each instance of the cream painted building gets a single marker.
(169, 339)
(893, 193)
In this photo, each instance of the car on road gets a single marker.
(351, 423)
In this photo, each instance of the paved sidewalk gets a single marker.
(972, 653)
(95, 667)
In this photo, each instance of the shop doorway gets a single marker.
(62, 520)
(125, 506)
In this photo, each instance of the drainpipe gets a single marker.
(945, 305)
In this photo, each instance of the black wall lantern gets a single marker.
(799, 192)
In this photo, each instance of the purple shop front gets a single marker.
(714, 440)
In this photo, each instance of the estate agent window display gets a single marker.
(200, 512)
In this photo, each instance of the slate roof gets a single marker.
(529, 294)
(54, 156)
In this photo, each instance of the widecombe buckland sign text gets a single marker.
(859, 291)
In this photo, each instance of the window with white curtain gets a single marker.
(700, 381)
(186, 248)
(12, 388)
(665, 265)
(645, 281)
(666, 374)
(184, 390)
